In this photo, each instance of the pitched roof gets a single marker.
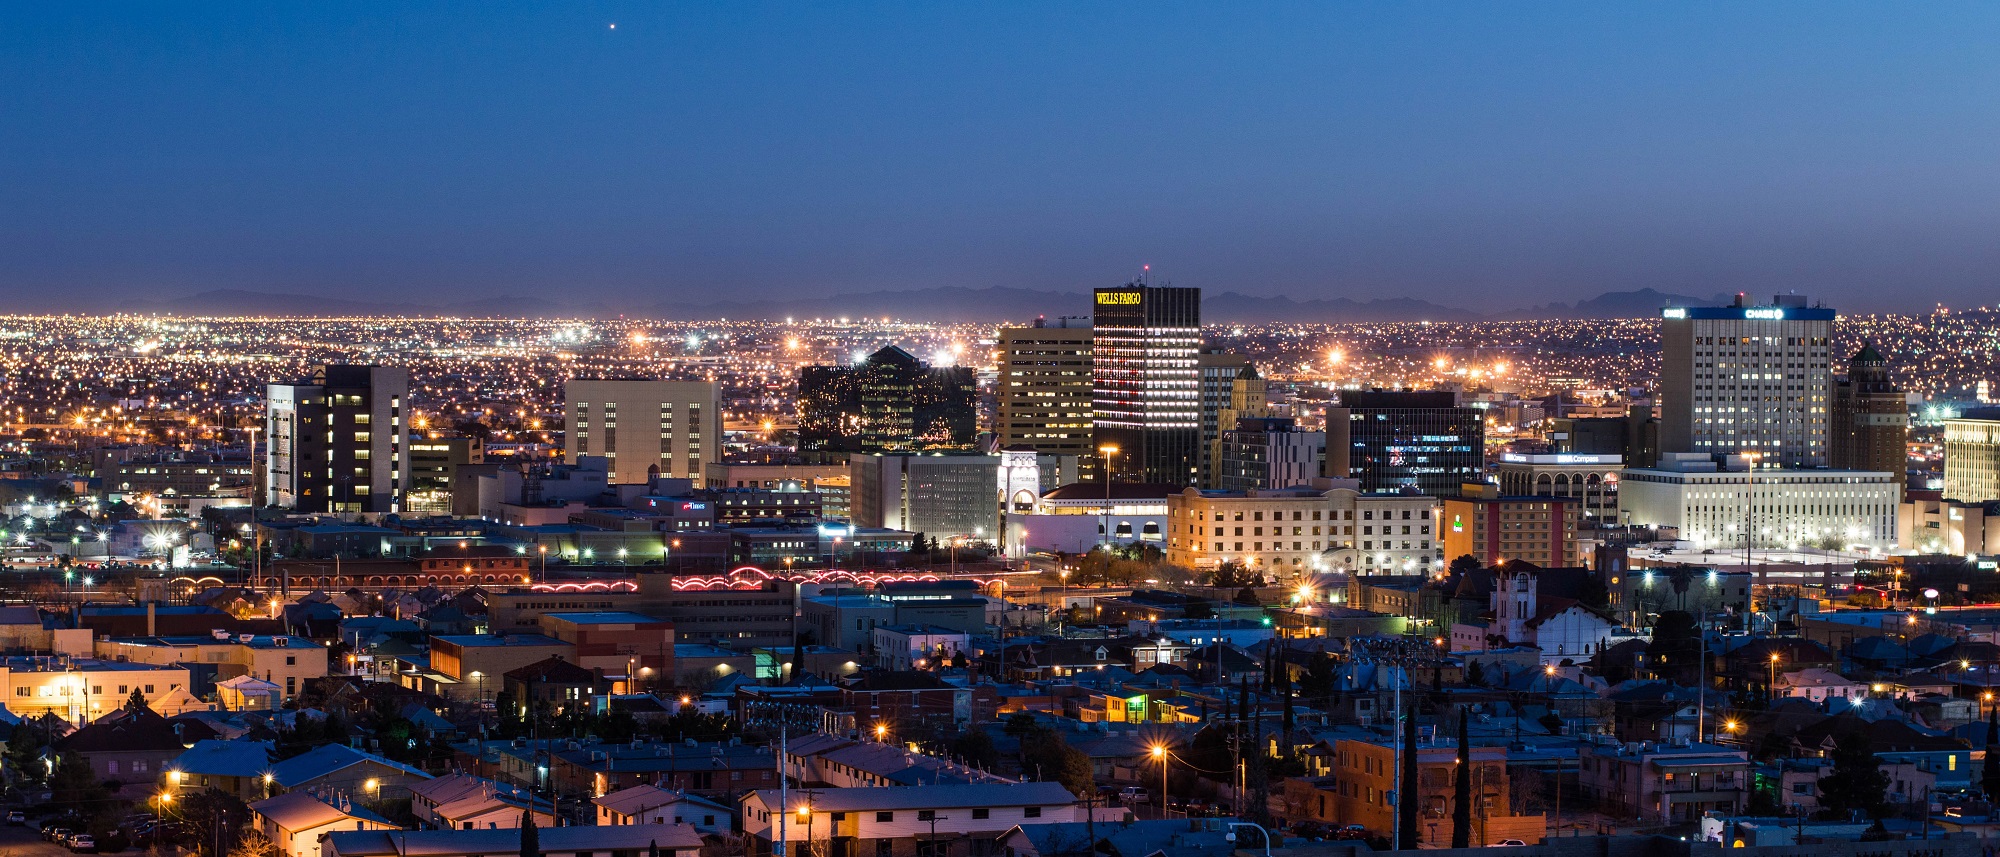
(225, 758)
(553, 669)
(112, 733)
(323, 760)
(439, 843)
(636, 799)
(928, 797)
(295, 811)
(451, 787)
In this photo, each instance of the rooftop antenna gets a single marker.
(1143, 270)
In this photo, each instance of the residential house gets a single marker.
(1664, 783)
(1148, 838)
(895, 822)
(908, 647)
(128, 748)
(343, 769)
(241, 769)
(646, 804)
(672, 840)
(249, 693)
(1819, 685)
(716, 770)
(296, 821)
(1366, 774)
(551, 681)
(893, 697)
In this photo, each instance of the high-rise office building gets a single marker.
(891, 401)
(645, 428)
(1395, 440)
(1147, 402)
(1231, 390)
(943, 496)
(1746, 378)
(339, 440)
(1870, 425)
(434, 469)
(1493, 527)
(1045, 387)
(1633, 438)
(1269, 452)
(1972, 456)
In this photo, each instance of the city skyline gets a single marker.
(1492, 158)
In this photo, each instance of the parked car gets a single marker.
(1352, 831)
(83, 843)
(1133, 795)
(17, 818)
(1508, 843)
(57, 834)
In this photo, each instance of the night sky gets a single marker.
(1485, 156)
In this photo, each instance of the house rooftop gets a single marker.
(931, 797)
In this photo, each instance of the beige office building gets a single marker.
(1972, 456)
(1326, 526)
(646, 428)
(1045, 387)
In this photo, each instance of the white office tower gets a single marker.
(1747, 379)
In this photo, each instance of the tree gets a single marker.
(213, 820)
(254, 844)
(136, 703)
(1317, 683)
(1285, 689)
(1675, 651)
(1552, 722)
(1053, 758)
(1857, 782)
(531, 839)
(1461, 790)
(1464, 564)
(74, 784)
(1989, 777)
(1020, 725)
(975, 748)
(1248, 597)
(1473, 675)
(1198, 610)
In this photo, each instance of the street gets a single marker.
(27, 842)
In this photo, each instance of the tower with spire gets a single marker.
(1869, 428)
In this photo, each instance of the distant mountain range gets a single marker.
(939, 304)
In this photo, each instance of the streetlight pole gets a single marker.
(1109, 452)
(1160, 753)
(1260, 828)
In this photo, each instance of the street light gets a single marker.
(1160, 753)
(882, 730)
(1109, 452)
(1260, 828)
(1771, 690)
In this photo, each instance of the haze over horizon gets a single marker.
(1491, 157)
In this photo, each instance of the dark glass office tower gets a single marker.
(889, 402)
(1147, 399)
(1394, 440)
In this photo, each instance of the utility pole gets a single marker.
(1396, 727)
(784, 807)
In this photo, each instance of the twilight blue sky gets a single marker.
(1482, 155)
